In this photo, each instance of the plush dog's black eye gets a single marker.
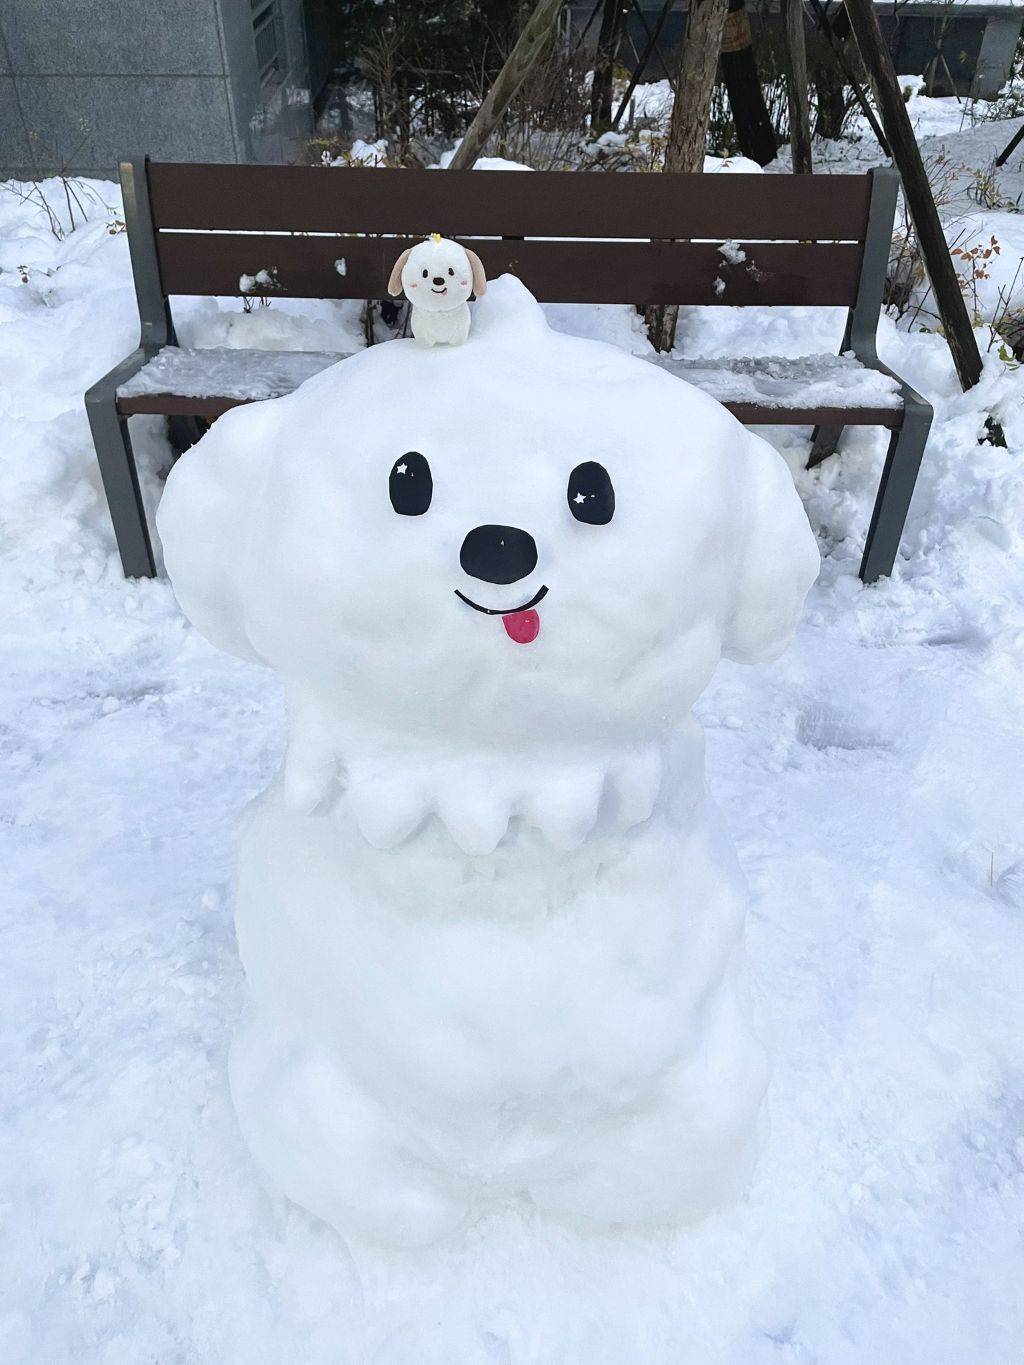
(450, 271)
(425, 274)
(590, 494)
(410, 486)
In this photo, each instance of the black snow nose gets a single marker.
(439, 279)
(498, 554)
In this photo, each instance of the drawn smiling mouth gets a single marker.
(503, 611)
(522, 624)
(439, 291)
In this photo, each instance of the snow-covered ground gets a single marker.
(871, 779)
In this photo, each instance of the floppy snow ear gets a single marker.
(395, 282)
(206, 520)
(777, 558)
(479, 277)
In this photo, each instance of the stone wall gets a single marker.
(87, 83)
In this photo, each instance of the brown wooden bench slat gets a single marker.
(753, 415)
(558, 272)
(750, 414)
(508, 203)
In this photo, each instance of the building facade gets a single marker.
(86, 83)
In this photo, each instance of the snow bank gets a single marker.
(653, 100)
(988, 252)
(327, 326)
(482, 163)
(370, 154)
(731, 165)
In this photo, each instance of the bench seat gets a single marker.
(181, 381)
(758, 390)
(802, 390)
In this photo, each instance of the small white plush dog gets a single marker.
(438, 276)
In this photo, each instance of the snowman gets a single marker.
(491, 926)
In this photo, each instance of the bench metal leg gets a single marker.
(896, 488)
(824, 442)
(121, 484)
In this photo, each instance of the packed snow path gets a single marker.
(871, 780)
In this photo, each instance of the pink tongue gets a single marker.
(522, 626)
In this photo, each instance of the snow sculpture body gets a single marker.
(438, 276)
(491, 928)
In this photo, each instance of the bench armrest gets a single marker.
(105, 389)
(912, 400)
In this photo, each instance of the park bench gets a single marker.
(717, 240)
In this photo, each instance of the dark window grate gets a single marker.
(269, 37)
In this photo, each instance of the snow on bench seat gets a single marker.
(818, 381)
(220, 373)
(810, 381)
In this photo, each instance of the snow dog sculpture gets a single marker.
(437, 277)
(491, 926)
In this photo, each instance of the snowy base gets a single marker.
(409, 1059)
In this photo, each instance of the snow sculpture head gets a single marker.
(438, 275)
(528, 543)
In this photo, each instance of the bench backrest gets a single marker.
(572, 237)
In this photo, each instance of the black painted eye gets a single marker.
(590, 494)
(450, 271)
(425, 274)
(410, 486)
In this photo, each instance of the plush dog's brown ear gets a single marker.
(479, 278)
(395, 282)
